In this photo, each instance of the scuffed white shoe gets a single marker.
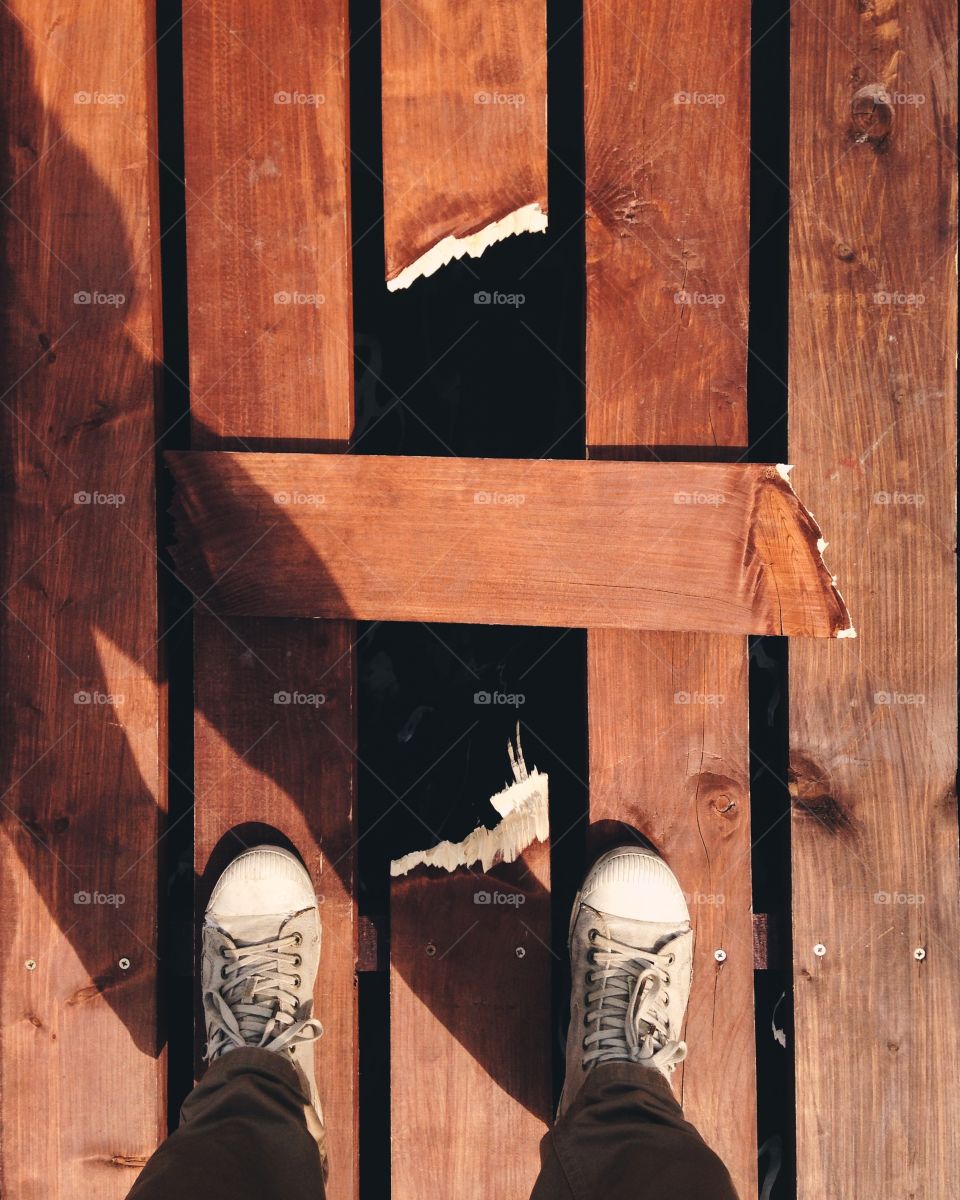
(631, 961)
(259, 961)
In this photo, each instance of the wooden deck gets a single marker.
(652, 733)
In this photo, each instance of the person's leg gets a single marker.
(620, 1133)
(624, 1138)
(243, 1133)
(253, 1126)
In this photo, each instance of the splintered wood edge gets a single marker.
(530, 218)
(524, 809)
(782, 561)
(843, 625)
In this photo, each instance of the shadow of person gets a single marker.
(83, 676)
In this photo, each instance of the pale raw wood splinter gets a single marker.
(464, 129)
(704, 546)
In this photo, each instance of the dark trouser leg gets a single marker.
(624, 1138)
(243, 1136)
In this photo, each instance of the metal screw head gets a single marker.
(919, 954)
(31, 964)
(819, 949)
(124, 964)
(520, 952)
(430, 949)
(720, 955)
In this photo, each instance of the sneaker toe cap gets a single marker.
(636, 884)
(267, 879)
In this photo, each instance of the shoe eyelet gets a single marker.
(671, 959)
(297, 960)
(297, 981)
(592, 935)
(223, 972)
(666, 999)
(298, 939)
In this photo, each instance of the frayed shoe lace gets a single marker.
(627, 1003)
(254, 1001)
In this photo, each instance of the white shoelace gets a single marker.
(253, 1000)
(627, 1006)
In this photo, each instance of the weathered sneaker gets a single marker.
(631, 960)
(259, 960)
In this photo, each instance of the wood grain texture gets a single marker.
(82, 1066)
(464, 119)
(667, 162)
(872, 421)
(470, 1032)
(275, 742)
(271, 362)
(715, 546)
(268, 219)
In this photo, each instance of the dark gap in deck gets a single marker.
(176, 864)
(769, 747)
(483, 359)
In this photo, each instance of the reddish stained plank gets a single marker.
(873, 753)
(604, 543)
(667, 129)
(82, 1066)
(268, 249)
(464, 128)
(470, 1033)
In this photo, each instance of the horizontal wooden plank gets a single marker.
(464, 129)
(719, 547)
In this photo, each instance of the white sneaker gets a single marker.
(259, 960)
(631, 961)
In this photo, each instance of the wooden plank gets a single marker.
(470, 1029)
(716, 546)
(82, 1067)
(667, 148)
(464, 129)
(268, 219)
(268, 249)
(872, 421)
